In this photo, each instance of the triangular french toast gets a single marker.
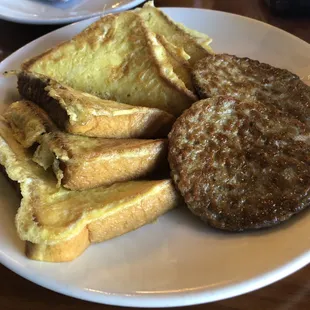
(80, 113)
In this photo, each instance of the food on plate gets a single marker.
(240, 164)
(83, 162)
(194, 44)
(76, 141)
(247, 79)
(84, 114)
(28, 122)
(86, 105)
(59, 224)
(178, 61)
(117, 58)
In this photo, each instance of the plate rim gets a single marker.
(167, 298)
(64, 20)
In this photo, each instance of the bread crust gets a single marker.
(240, 165)
(80, 163)
(63, 252)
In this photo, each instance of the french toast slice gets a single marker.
(84, 114)
(179, 61)
(84, 162)
(117, 58)
(58, 224)
(195, 44)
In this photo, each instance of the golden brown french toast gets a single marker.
(83, 162)
(117, 58)
(179, 61)
(84, 114)
(195, 44)
(59, 224)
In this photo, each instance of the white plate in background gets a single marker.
(177, 260)
(57, 12)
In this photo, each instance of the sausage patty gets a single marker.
(240, 164)
(244, 78)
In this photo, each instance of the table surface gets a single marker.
(292, 292)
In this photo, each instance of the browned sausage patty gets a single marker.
(240, 165)
(244, 78)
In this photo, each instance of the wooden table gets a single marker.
(288, 294)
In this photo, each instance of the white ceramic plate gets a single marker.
(57, 12)
(177, 260)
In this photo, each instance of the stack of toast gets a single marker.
(87, 141)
